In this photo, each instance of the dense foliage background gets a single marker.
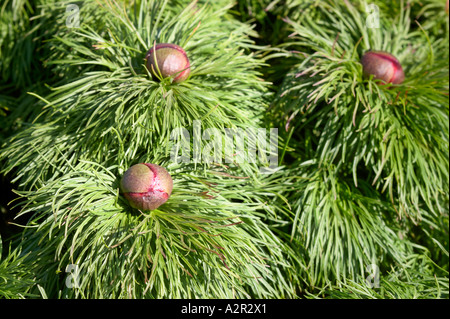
(357, 206)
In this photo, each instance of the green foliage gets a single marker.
(414, 280)
(116, 110)
(111, 112)
(357, 125)
(363, 152)
(364, 168)
(15, 279)
(342, 228)
(188, 248)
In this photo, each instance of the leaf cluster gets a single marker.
(362, 178)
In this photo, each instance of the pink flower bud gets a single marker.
(146, 186)
(170, 60)
(382, 66)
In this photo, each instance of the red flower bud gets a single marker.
(382, 66)
(146, 186)
(170, 60)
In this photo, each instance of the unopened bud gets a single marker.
(146, 186)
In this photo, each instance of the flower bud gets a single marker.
(382, 66)
(167, 60)
(146, 186)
